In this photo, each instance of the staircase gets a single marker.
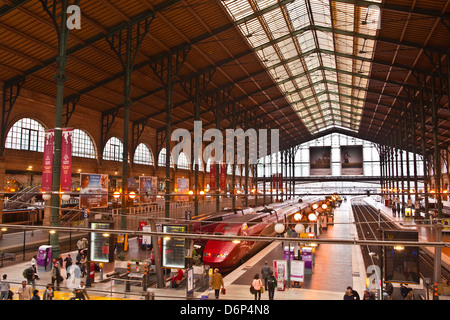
(21, 199)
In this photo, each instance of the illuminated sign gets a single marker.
(174, 248)
(101, 245)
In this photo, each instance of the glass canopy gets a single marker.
(318, 52)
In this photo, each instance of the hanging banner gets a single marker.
(352, 160)
(320, 161)
(223, 176)
(47, 166)
(93, 190)
(148, 188)
(183, 188)
(66, 160)
(212, 176)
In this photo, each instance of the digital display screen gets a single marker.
(401, 263)
(174, 248)
(100, 249)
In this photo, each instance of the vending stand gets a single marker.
(44, 258)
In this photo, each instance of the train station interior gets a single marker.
(155, 141)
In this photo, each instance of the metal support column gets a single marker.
(60, 78)
(167, 70)
(424, 153)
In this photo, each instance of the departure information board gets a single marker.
(401, 263)
(101, 248)
(174, 248)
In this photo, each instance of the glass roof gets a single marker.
(317, 51)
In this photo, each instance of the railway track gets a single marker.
(368, 223)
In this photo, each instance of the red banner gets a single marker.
(47, 166)
(223, 177)
(212, 176)
(66, 160)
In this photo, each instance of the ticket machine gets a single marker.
(44, 258)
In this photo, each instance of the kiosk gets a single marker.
(44, 258)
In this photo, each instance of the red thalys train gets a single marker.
(206, 223)
(225, 254)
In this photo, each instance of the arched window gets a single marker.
(143, 155)
(229, 169)
(82, 145)
(183, 161)
(113, 150)
(26, 134)
(238, 172)
(162, 159)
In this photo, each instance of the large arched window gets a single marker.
(26, 134)
(82, 145)
(162, 159)
(143, 155)
(183, 161)
(113, 150)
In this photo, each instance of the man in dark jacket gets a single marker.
(265, 273)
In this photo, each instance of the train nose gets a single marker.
(217, 252)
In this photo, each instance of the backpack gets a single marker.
(27, 273)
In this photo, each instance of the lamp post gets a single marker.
(279, 229)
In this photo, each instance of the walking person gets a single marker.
(34, 266)
(56, 276)
(272, 284)
(265, 273)
(216, 282)
(68, 263)
(29, 274)
(4, 288)
(257, 285)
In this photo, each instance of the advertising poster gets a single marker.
(47, 166)
(297, 270)
(280, 270)
(66, 160)
(352, 160)
(148, 188)
(182, 188)
(132, 185)
(93, 190)
(320, 161)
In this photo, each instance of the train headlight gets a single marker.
(236, 241)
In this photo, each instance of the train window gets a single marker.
(218, 233)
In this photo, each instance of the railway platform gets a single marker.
(426, 232)
(336, 267)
